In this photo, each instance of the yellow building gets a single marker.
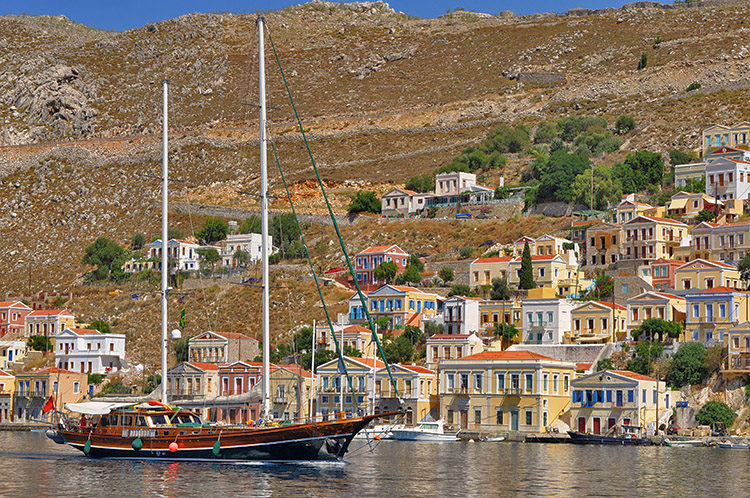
(727, 243)
(607, 398)
(401, 305)
(550, 272)
(48, 322)
(629, 209)
(685, 206)
(504, 391)
(712, 312)
(650, 238)
(33, 389)
(736, 136)
(738, 351)
(451, 346)
(484, 270)
(701, 274)
(416, 385)
(654, 305)
(598, 321)
(285, 382)
(492, 313)
(7, 391)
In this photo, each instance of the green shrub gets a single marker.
(715, 411)
(693, 86)
(643, 61)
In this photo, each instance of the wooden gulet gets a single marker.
(155, 430)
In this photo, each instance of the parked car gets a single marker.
(672, 430)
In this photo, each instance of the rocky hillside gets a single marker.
(382, 97)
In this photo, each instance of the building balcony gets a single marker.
(279, 399)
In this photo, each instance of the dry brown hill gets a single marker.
(382, 96)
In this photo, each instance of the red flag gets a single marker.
(48, 406)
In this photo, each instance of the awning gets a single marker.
(94, 407)
(678, 204)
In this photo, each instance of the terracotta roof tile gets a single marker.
(633, 375)
(203, 366)
(506, 355)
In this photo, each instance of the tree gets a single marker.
(446, 274)
(213, 230)
(209, 257)
(677, 156)
(506, 332)
(715, 411)
(500, 290)
(625, 124)
(607, 188)
(705, 215)
(139, 240)
(652, 327)
(95, 378)
(39, 343)
(604, 286)
(284, 232)
(386, 271)
(432, 328)
(687, 365)
(351, 352)
(424, 183)
(604, 364)
(175, 233)
(644, 355)
(108, 257)
(695, 185)
(364, 201)
(415, 261)
(545, 133)
(241, 257)
(527, 271)
(643, 61)
(181, 349)
(303, 339)
(414, 334)
(252, 224)
(744, 267)
(460, 290)
(321, 356)
(101, 326)
(399, 350)
(557, 174)
(410, 275)
(639, 170)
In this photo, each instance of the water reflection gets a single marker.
(41, 468)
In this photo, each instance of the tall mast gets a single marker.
(164, 246)
(264, 222)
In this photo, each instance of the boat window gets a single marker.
(158, 419)
(126, 420)
(429, 426)
(112, 419)
(140, 421)
(185, 419)
(103, 421)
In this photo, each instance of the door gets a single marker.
(582, 425)
(597, 425)
(464, 419)
(618, 402)
(611, 421)
(514, 420)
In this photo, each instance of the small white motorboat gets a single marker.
(424, 431)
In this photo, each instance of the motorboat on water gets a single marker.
(424, 431)
(625, 435)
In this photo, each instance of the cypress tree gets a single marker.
(527, 272)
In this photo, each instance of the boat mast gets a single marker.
(164, 246)
(264, 222)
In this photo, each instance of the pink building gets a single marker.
(372, 257)
(238, 377)
(13, 317)
(662, 273)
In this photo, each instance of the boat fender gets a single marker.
(173, 447)
(87, 447)
(217, 448)
(137, 444)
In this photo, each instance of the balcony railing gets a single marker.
(280, 399)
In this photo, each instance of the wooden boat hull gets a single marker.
(329, 439)
(578, 438)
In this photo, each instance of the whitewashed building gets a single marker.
(249, 242)
(89, 351)
(545, 320)
(461, 315)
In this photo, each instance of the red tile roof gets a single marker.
(449, 336)
(11, 304)
(377, 249)
(367, 361)
(357, 328)
(506, 355)
(669, 296)
(717, 289)
(3, 373)
(500, 259)
(583, 366)
(406, 289)
(609, 305)
(84, 331)
(417, 368)
(53, 370)
(633, 375)
(50, 312)
(295, 369)
(203, 366)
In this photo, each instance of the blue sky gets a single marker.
(120, 15)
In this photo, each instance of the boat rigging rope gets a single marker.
(365, 307)
(339, 349)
